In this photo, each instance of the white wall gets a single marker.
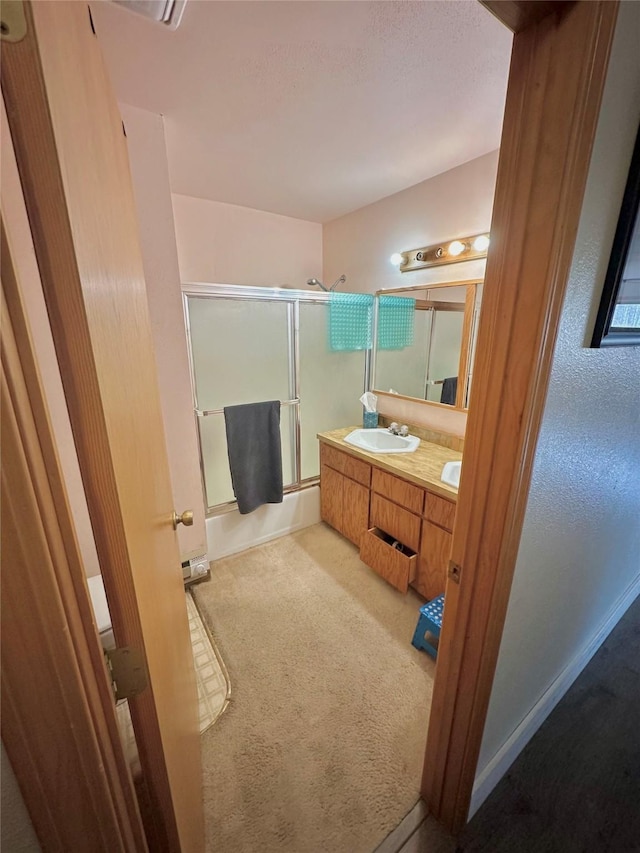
(457, 203)
(149, 172)
(227, 244)
(578, 565)
(17, 834)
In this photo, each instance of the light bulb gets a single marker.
(456, 248)
(396, 259)
(481, 243)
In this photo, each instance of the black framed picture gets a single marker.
(618, 320)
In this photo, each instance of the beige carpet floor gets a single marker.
(322, 744)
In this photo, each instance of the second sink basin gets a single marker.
(382, 441)
(451, 474)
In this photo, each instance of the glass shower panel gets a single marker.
(240, 350)
(330, 385)
(215, 461)
(446, 340)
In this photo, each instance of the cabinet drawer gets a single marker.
(399, 491)
(439, 511)
(346, 464)
(397, 522)
(357, 469)
(332, 458)
(396, 568)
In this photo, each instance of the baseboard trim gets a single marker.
(494, 771)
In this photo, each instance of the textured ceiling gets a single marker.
(313, 109)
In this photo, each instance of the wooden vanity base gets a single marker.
(375, 509)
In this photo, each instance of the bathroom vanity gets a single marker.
(394, 507)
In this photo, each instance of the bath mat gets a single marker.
(212, 680)
(214, 687)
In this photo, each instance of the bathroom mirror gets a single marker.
(436, 362)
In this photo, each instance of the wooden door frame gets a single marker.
(558, 69)
(51, 653)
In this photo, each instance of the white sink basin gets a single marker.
(382, 441)
(451, 474)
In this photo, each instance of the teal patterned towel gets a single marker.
(350, 321)
(395, 322)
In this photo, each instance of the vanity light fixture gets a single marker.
(481, 243)
(448, 252)
(456, 248)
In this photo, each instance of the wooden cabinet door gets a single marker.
(435, 550)
(331, 496)
(355, 510)
(73, 163)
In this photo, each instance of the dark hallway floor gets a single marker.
(576, 787)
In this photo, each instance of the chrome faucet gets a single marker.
(398, 430)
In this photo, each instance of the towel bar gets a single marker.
(203, 414)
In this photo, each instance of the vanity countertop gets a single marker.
(422, 467)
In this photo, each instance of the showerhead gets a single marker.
(314, 282)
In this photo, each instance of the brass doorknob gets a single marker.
(185, 518)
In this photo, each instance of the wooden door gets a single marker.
(54, 680)
(72, 158)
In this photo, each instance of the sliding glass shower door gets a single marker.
(248, 345)
(331, 384)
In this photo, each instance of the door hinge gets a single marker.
(455, 571)
(13, 24)
(128, 670)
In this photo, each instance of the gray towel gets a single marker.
(255, 453)
(449, 390)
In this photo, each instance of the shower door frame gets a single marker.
(293, 298)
